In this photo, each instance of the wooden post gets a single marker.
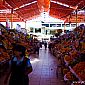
(11, 18)
(25, 27)
(76, 17)
(64, 26)
(25, 24)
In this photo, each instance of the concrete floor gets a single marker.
(44, 69)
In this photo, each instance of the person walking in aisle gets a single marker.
(20, 67)
(45, 44)
(37, 47)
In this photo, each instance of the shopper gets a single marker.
(45, 44)
(37, 47)
(20, 67)
(40, 44)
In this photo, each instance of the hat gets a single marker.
(18, 47)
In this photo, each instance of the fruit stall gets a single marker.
(70, 50)
(8, 37)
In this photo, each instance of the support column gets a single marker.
(76, 18)
(11, 18)
(64, 26)
(26, 27)
(25, 24)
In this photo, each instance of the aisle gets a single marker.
(44, 69)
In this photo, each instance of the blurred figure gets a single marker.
(45, 44)
(40, 44)
(49, 46)
(20, 67)
(37, 47)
